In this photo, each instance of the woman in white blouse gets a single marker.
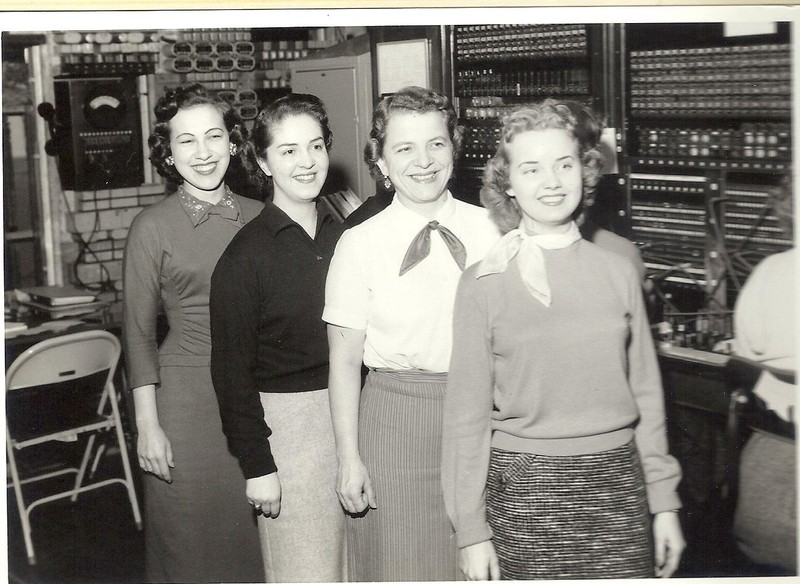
(389, 302)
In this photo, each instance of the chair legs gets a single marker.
(126, 464)
(82, 469)
(78, 487)
(23, 511)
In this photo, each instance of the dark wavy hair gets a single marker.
(186, 97)
(294, 104)
(549, 114)
(409, 99)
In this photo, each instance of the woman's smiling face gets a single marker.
(546, 177)
(418, 158)
(296, 159)
(200, 147)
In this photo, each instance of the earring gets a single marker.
(170, 161)
(387, 183)
(233, 149)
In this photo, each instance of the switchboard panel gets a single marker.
(708, 121)
(500, 66)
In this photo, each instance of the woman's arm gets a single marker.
(234, 308)
(354, 487)
(466, 434)
(142, 267)
(479, 561)
(235, 311)
(152, 445)
(668, 542)
(662, 472)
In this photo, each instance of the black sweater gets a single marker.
(267, 334)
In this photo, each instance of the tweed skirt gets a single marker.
(305, 543)
(409, 536)
(570, 517)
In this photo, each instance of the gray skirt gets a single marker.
(575, 517)
(305, 543)
(409, 536)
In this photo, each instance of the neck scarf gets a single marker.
(531, 259)
(421, 246)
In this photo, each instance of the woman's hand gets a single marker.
(264, 493)
(669, 543)
(354, 487)
(153, 447)
(479, 561)
(154, 450)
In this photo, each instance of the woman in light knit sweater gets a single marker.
(555, 460)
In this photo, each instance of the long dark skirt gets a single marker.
(408, 537)
(573, 517)
(200, 527)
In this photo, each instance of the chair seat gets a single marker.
(57, 390)
(53, 407)
(23, 438)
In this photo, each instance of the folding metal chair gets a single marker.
(57, 389)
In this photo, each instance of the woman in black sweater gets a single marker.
(269, 357)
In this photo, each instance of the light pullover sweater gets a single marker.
(578, 377)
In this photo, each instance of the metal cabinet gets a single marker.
(344, 84)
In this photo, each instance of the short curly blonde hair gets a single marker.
(549, 114)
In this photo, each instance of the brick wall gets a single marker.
(102, 219)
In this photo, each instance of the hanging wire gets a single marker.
(106, 284)
(723, 249)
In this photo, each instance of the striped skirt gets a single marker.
(409, 536)
(574, 517)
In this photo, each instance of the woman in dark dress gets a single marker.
(198, 526)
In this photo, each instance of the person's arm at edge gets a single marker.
(662, 472)
(141, 269)
(354, 486)
(467, 433)
(234, 306)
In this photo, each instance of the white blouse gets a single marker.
(407, 319)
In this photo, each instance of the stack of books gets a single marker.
(61, 301)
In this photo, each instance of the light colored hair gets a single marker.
(549, 114)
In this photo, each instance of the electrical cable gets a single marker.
(723, 249)
(106, 284)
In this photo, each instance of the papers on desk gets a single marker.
(13, 327)
(48, 326)
(56, 302)
(55, 312)
(58, 295)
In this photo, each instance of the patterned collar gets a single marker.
(199, 211)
